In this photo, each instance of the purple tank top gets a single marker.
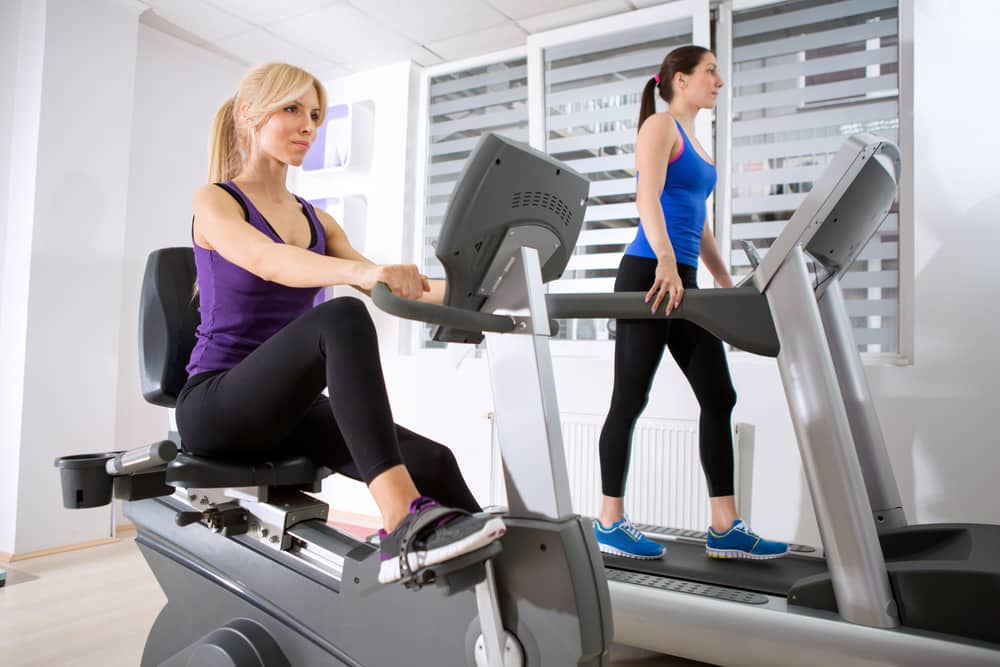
(239, 311)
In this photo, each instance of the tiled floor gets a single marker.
(93, 608)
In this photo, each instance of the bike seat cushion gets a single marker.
(199, 472)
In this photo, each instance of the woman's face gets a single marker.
(287, 133)
(701, 87)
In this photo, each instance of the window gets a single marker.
(465, 101)
(805, 75)
(593, 89)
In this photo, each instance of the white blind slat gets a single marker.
(443, 188)
(466, 145)
(808, 120)
(834, 10)
(813, 146)
(591, 141)
(490, 99)
(869, 308)
(577, 285)
(771, 229)
(882, 336)
(771, 73)
(609, 236)
(831, 91)
(607, 114)
(634, 60)
(875, 250)
(603, 163)
(817, 40)
(603, 260)
(497, 74)
(480, 122)
(868, 279)
(619, 87)
(778, 176)
(611, 212)
(612, 186)
(747, 205)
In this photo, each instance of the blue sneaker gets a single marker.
(624, 539)
(740, 542)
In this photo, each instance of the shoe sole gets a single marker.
(491, 531)
(618, 552)
(737, 554)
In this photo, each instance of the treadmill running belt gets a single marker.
(688, 561)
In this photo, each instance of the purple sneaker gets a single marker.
(431, 534)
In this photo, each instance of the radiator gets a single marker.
(666, 485)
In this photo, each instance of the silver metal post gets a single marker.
(490, 621)
(723, 134)
(883, 493)
(857, 568)
(524, 395)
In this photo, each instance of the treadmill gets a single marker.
(881, 592)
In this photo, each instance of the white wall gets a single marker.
(178, 89)
(22, 71)
(10, 15)
(69, 168)
(106, 190)
(937, 414)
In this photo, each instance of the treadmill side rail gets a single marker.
(853, 554)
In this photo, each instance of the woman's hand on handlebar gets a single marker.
(667, 285)
(404, 280)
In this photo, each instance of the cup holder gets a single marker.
(85, 481)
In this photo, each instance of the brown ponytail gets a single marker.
(648, 107)
(682, 59)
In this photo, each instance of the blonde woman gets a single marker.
(264, 354)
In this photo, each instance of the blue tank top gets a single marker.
(239, 310)
(690, 180)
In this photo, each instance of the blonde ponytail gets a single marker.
(224, 159)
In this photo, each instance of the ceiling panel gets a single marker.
(501, 37)
(577, 14)
(424, 57)
(353, 35)
(520, 9)
(431, 20)
(344, 35)
(199, 18)
(259, 46)
(262, 12)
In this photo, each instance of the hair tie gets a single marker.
(657, 77)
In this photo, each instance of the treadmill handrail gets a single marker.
(738, 315)
(433, 313)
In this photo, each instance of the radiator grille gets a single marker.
(666, 485)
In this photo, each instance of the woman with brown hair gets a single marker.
(675, 177)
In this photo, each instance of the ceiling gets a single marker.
(333, 38)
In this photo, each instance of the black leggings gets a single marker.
(638, 348)
(270, 406)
